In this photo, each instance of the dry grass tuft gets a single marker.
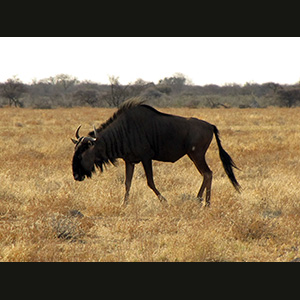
(46, 216)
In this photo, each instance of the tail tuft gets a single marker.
(227, 162)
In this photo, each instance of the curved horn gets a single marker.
(95, 131)
(77, 132)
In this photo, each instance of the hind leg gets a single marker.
(208, 175)
(200, 163)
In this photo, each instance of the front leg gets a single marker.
(147, 164)
(129, 168)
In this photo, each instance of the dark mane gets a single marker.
(124, 107)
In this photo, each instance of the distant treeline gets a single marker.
(66, 91)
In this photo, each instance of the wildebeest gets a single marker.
(139, 133)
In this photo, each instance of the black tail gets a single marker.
(227, 161)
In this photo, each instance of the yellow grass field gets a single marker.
(46, 216)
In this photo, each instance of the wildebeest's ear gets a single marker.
(91, 134)
(74, 141)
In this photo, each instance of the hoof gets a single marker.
(200, 199)
(162, 200)
(124, 203)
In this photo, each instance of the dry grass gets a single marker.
(46, 216)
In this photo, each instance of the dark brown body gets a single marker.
(139, 133)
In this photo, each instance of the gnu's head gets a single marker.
(84, 157)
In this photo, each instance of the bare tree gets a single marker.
(13, 89)
(118, 93)
(90, 97)
(66, 81)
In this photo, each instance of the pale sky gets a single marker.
(202, 60)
